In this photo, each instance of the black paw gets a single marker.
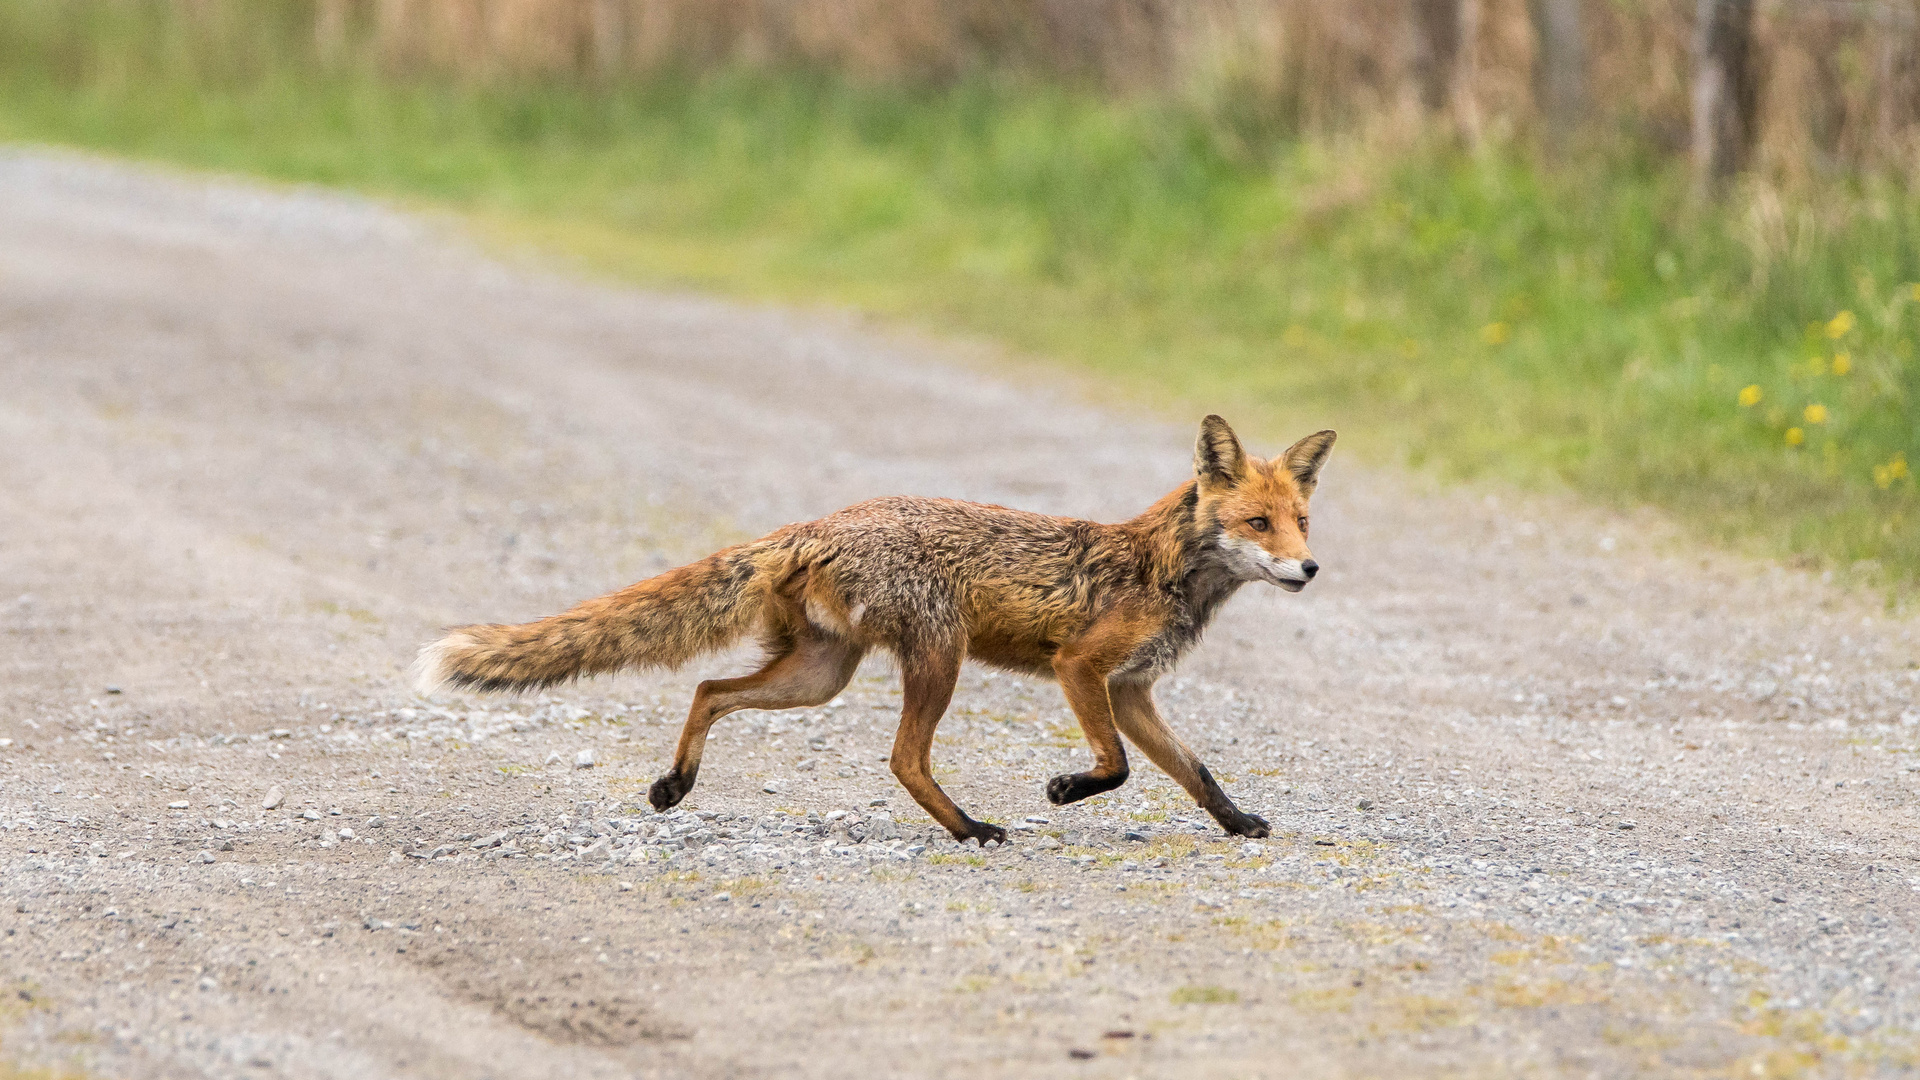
(983, 832)
(1239, 824)
(667, 791)
(1072, 787)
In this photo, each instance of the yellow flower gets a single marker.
(1750, 395)
(1496, 333)
(1815, 414)
(1838, 326)
(1842, 363)
(1885, 475)
(1795, 436)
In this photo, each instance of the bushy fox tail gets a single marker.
(663, 621)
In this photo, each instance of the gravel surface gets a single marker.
(1553, 791)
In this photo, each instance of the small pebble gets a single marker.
(274, 798)
(112, 689)
(206, 856)
(583, 759)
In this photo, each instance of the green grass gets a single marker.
(1204, 995)
(1478, 314)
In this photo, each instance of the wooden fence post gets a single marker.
(609, 36)
(1436, 50)
(1560, 73)
(1723, 90)
(330, 29)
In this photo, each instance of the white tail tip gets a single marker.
(433, 668)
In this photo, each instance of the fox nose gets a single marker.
(1309, 568)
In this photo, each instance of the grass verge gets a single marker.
(1749, 367)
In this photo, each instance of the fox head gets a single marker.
(1259, 508)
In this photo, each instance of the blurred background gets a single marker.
(1659, 251)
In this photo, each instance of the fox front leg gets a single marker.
(1134, 714)
(1082, 667)
(1084, 682)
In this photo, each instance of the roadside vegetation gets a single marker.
(1571, 318)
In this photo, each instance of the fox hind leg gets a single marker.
(926, 684)
(809, 671)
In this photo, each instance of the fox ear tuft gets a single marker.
(1217, 457)
(1304, 458)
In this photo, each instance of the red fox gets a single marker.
(1104, 609)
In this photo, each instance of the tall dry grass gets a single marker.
(1840, 79)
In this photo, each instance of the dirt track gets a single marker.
(1630, 807)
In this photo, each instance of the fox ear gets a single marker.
(1304, 458)
(1217, 457)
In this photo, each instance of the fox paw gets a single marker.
(667, 791)
(1251, 825)
(983, 832)
(1072, 787)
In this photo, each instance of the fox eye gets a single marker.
(1259, 524)
(1303, 525)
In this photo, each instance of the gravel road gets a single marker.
(1554, 791)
